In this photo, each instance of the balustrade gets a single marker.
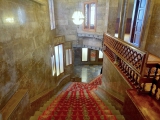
(143, 75)
(129, 60)
(132, 64)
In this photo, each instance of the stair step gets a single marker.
(110, 114)
(37, 113)
(115, 112)
(52, 98)
(110, 117)
(120, 117)
(42, 109)
(46, 105)
(111, 107)
(33, 118)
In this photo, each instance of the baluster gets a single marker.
(136, 81)
(154, 79)
(132, 79)
(131, 75)
(157, 87)
(149, 72)
(130, 71)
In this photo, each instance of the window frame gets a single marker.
(95, 24)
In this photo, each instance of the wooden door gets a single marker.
(139, 21)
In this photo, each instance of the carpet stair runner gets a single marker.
(78, 102)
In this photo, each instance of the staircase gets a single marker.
(78, 102)
(43, 108)
(110, 106)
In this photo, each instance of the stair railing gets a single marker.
(129, 60)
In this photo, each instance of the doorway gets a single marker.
(128, 20)
(138, 16)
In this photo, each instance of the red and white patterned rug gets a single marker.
(78, 102)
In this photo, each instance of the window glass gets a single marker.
(90, 16)
(67, 57)
(93, 55)
(70, 56)
(51, 13)
(57, 60)
(86, 16)
(61, 58)
(84, 54)
(53, 65)
(100, 54)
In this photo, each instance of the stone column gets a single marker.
(112, 15)
(123, 19)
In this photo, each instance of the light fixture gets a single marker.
(78, 17)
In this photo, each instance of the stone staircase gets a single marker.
(115, 112)
(110, 106)
(41, 109)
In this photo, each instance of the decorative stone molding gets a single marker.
(59, 40)
(86, 46)
(92, 35)
(42, 2)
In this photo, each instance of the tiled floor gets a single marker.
(87, 72)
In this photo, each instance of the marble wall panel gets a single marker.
(153, 36)
(113, 82)
(25, 37)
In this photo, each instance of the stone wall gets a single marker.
(111, 13)
(113, 82)
(153, 37)
(25, 42)
(65, 8)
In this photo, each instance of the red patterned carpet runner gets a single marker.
(78, 102)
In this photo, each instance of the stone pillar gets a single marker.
(123, 19)
(112, 16)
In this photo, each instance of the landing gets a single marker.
(87, 72)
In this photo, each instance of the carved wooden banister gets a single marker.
(129, 60)
(132, 56)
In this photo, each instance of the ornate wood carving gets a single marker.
(129, 54)
(129, 60)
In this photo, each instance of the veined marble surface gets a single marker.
(87, 72)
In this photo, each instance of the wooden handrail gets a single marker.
(131, 61)
(132, 64)
(132, 56)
